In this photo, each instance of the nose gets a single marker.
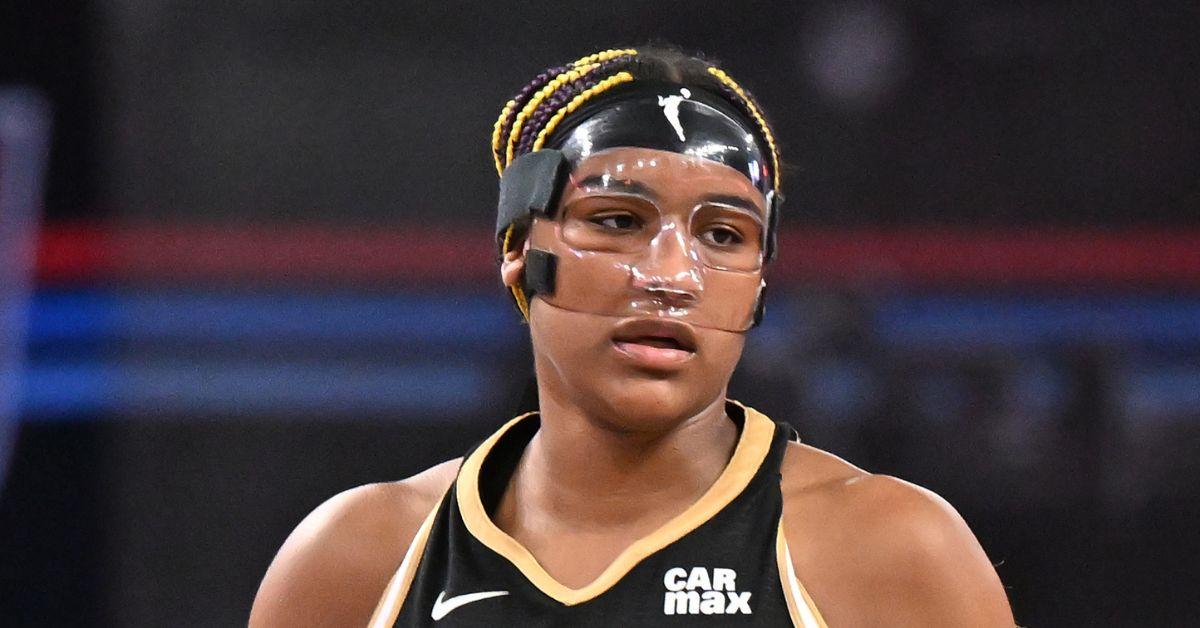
(670, 270)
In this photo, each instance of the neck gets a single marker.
(581, 471)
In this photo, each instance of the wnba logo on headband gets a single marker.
(670, 105)
(666, 117)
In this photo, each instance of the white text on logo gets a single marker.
(697, 592)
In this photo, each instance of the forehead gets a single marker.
(668, 175)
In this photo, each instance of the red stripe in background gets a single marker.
(299, 254)
(288, 254)
(987, 257)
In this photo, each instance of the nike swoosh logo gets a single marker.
(443, 607)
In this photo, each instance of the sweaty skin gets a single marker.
(617, 237)
(626, 443)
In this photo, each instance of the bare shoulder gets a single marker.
(876, 550)
(333, 567)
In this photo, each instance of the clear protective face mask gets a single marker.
(643, 232)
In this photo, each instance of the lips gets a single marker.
(655, 343)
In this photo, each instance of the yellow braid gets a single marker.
(517, 291)
(580, 66)
(576, 102)
(504, 113)
(762, 123)
(515, 134)
(604, 55)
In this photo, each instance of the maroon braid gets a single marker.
(560, 98)
(518, 101)
(541, 103)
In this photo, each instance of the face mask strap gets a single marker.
(770, 246)
(770, 251)
(760, 306)
(540, 270)
(531, 186)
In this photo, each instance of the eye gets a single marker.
(616, 222)
(721, 236)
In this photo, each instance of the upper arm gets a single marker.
(333, 568)
(940, 573)
(875, 550)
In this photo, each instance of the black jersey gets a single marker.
(722, 562)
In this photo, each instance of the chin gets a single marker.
(651, 404)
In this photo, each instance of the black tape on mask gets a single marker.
(540, 269)
(531, 184)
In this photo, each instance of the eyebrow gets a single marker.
(735, 200)
(609, 182)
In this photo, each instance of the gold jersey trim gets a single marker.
(397, 589)
(752, 448)
(800, 605)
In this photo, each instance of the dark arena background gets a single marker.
(247, 264)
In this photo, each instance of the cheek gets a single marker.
(721, 351)
(569, 340)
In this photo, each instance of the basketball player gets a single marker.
(639, 197)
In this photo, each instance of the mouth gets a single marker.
(654, 343)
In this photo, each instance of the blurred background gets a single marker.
(246, 264)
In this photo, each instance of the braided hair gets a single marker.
(530, 117)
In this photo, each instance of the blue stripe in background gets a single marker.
(67, 389)
(488, 321)
(152, 354)
(173, 389)
(87, 316)
(973, 321)
(142, 354)
(73, 317)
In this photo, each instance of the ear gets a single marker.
(513, 265)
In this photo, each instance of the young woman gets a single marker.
(639, 194)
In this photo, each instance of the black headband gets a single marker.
(679, 119)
